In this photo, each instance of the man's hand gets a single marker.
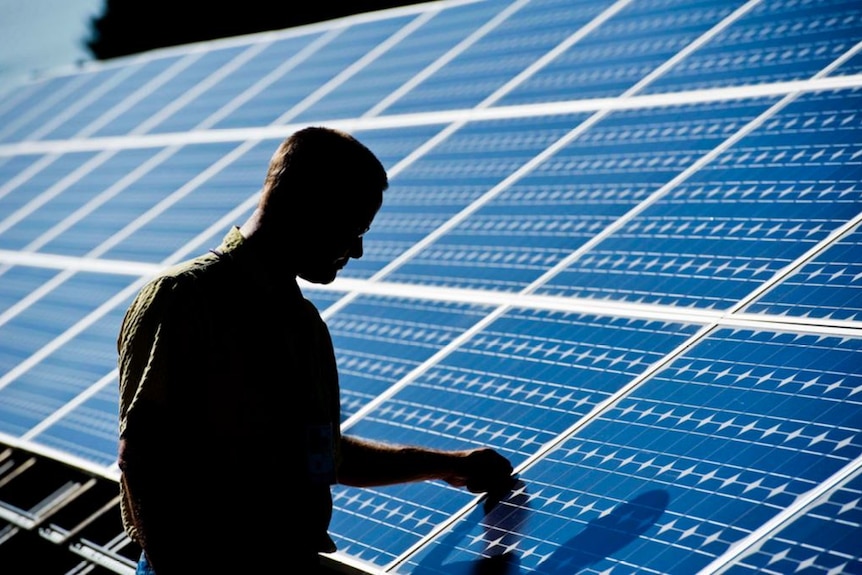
(481, 470)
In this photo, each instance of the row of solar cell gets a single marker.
(729, 434)
(614, 492)
(309, 76)
(22, 324)
(525, 220)
(129, 203)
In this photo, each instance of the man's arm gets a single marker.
(365, 464)
(155, 447)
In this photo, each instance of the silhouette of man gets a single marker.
(229, 436)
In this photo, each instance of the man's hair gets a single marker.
(319, 168)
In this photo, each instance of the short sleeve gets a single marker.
(148, 335)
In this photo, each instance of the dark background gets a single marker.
(126, 27)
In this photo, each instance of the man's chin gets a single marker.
(320, 276)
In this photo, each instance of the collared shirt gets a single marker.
(230, 372)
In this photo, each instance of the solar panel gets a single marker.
(620, 245)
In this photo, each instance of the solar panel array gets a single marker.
(621, 245)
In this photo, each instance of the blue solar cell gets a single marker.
(392, 146)
(447, 179)
(248, 73)
(515, 385)
(159, 98)
(712, 239)
(825, 287)
(491, 60)
(683, 467)
(25, 189)
(56, 219)
(99, 106)
(16, 101)
(390, 519)
(52, 101)
(61, 308)
(824, 539)
(21, 104)
(529, 367)
(154, 182)
(320, 298)
(379, 341)
(18, 282)
(174, 203)
(382, 244)
(13, 167)
(291, 86)
(539, 220)
(68, 312)
(88, 430)
(622, 51)
(367, 90)
(777, 40)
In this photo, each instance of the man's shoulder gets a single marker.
(184, 275)
(190, 269)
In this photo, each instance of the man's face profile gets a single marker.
(329, 248)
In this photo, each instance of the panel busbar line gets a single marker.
(619, 245)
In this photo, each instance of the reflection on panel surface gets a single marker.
(515, 385)
(734, 431)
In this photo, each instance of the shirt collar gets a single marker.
(256, 267)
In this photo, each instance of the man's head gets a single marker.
(322, 190)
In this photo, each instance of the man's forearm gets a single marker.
(367, 464)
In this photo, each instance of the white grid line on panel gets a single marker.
(800, 506)
(200, 88)
(46, 104)
(446, 58)
(79, 105)
(129, 101)
(635, 102)
(355, 67)
(270, 78)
